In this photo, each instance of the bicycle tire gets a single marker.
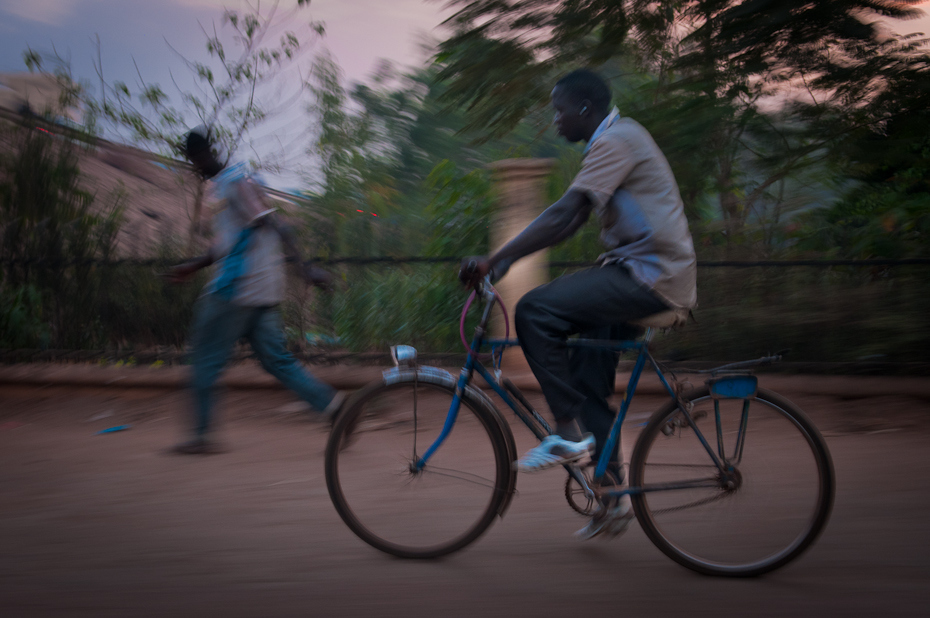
(370, 462)
(740, 531)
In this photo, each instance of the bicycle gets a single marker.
(727, 479)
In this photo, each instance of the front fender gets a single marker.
(441, 377)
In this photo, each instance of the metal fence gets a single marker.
(851, 314)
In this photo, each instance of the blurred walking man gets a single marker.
(241, 299)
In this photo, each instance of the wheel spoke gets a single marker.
(408, 510)
(765, 504)
(459, 475)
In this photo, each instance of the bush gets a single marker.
(51, 235)
(21, 323)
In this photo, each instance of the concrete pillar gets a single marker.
(520, 190)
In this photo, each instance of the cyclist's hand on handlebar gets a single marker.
(473, 270)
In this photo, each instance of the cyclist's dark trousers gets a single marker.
(597, 303)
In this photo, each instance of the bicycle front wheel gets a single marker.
(764, 510)
(389, 502)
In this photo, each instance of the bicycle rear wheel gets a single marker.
(398, 509)
(764, 512)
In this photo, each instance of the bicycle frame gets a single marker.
(536, 424)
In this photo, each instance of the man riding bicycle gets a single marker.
(649, 267)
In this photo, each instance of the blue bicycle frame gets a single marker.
(514, 399)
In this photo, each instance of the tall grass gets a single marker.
(417, 305)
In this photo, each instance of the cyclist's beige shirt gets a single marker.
(636, 197)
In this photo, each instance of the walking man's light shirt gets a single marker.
(250, 270)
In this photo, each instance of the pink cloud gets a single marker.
(50, 12)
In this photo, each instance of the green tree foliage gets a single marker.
(886, 211)
(376, 144)
(356, 188)
(742, 95)
(21, 319)
(50, 235)
(391, 149)
(236, 88)
(56, 235)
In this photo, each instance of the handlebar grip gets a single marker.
(467, 270)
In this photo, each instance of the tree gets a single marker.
(235, 90)
(49, 238)
(770, 87)
(358, 152)
(885, 210)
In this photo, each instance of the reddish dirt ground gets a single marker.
(109, 525)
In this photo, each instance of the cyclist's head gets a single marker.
(581, 100)
(198, 148)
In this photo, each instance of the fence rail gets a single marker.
(867, 313)
(366, 261)
(149, 358)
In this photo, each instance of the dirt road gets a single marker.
(103, 525)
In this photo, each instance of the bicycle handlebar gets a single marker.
(487, 291)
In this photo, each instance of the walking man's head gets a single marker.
(198, 149)
(581, 101)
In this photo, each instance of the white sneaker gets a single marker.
(555, 451)
(610, 522)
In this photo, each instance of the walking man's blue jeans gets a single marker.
(218, 325)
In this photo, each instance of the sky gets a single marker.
(142, 33)
(359, 32)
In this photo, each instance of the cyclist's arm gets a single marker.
(554, 225)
